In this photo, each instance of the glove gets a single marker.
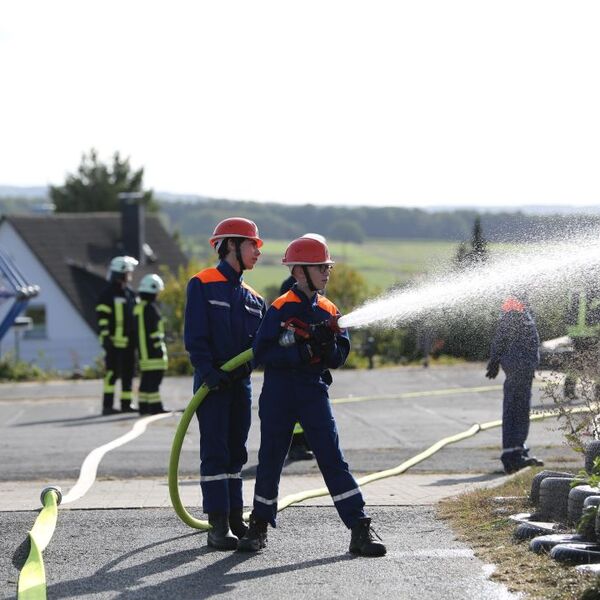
(492, 370)
(218, 379)
(322, 334)
(310, 352)
(240, 372)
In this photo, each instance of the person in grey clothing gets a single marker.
(515, 348)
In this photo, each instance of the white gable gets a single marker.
(70, 342)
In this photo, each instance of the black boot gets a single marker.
(362, 540)
(107, 405)
(220, 536)
(299, 449)
(126, 407)
(156, 408)
(236, 522)
(256, 536)
(143, 408)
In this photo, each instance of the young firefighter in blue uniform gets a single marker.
(515, 348)
(299, 448)
(117, 333)
(222, 316)
(298, 344)
(152, 351)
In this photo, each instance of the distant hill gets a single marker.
(12, 191)
(194, 217)
(279, 221)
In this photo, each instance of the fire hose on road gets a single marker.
(32, 580)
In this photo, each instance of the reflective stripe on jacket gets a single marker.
(150, 337)
(114, 312)
(222, 315)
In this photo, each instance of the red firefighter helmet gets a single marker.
(307, 251)
(236, 227)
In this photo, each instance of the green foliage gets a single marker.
(96, 186)
(347, 231)
(172, 300)
(286, 222)
(394, 346)
(587, 520)
(464, 258)
(592, 479)
(11, 370)
(578, 427)
(346, 288)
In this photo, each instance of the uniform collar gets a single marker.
(229, 272)
(304, 298)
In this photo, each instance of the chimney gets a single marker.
(133, 224)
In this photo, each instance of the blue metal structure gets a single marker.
(13, 285)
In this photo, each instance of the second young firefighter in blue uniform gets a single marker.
(152, 350)
(515, 348)
(222, 316)
(298, 345)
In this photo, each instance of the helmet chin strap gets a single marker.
(311, 285)
(238, 253)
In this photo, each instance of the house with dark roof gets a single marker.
(67, 256)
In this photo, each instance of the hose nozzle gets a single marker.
(332, 323)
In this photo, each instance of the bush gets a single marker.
(18, 370)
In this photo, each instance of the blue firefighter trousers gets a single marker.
(224, 419)
(515, 413)
(288, 397)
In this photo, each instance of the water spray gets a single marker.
(530, 271)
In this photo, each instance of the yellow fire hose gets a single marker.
(246, 356)
(182, 428)
(32, 579)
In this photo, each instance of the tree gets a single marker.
(172, 300)
(479, 251)
(478, 243)
(347, 231)
(347, 288)
(96, 186)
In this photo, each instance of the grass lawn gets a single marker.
(483, 524)
(381, 263)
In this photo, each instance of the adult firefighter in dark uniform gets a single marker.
(117, 333)
(298, 342)
(515, 347)
(222, 315)
(152, 351)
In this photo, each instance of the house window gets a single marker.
(37, 314)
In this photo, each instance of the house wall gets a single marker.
(69, 343)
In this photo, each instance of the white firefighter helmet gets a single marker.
(151, 284)
(315, 236)
(123, 264)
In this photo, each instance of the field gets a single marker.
(381, 263)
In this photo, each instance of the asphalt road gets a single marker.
(384, 417)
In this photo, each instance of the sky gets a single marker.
(420, 103)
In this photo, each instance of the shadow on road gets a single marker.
(468, 479)
(87, 420)
(204, 582)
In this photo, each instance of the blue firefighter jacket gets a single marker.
(294, 303)
(516, 342)
(222, 315)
